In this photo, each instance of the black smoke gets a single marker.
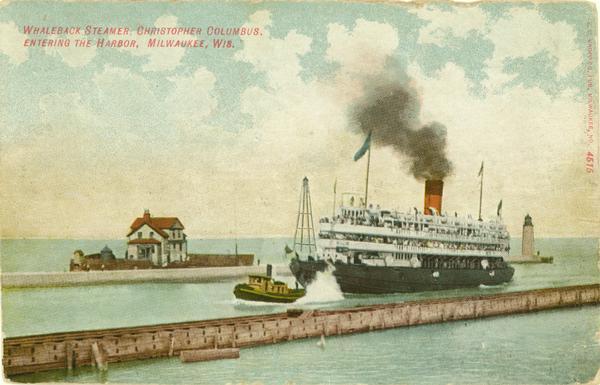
(390, 111)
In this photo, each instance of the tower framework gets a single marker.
(304, 236)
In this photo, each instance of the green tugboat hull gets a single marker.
(247, 293)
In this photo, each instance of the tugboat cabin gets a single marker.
(266, 284)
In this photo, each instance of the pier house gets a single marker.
(158, 239)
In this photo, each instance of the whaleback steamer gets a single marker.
(373, 250)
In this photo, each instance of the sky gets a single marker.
(221, 138)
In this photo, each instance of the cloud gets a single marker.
(130, 104)
(117, 147)
(524, 32)
(191, 99)
(142, 137)
(364, 49)
(442, 24)
(59, 165)
(300, 126)
(126, 99)
(73, 56)
(159, 59)
(518, 33)
(68, 108)
(11, 43)
(278, 59)
(314, 111)
(522, 134)
(286, 96)
(524, 122)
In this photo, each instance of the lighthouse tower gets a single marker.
(527, 243)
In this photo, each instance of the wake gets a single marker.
(324, 288)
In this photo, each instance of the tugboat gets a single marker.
(263, 288)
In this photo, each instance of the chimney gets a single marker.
(433, 196)
(146, 215)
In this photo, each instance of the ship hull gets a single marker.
(365, 279)
(247, 293)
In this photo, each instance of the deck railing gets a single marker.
(392, 248)
(410, 234)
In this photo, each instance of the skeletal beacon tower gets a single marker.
(304, 237)
(527, 244)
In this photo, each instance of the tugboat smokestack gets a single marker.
(434, 190)
(269, 270)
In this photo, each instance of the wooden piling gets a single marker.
(171, 346)
(99, 357)
(69, 355)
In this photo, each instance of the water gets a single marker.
(523, 349)
(548, 347)
(54, 255)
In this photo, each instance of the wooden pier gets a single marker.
(100, 347)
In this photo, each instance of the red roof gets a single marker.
(144, 241)
(158, 224)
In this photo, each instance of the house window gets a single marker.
(152, 234)
(139, 235)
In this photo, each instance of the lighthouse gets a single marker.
(528, 255)
(527, 243)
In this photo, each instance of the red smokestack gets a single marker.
(434, 189)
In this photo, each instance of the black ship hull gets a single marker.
(365, 279)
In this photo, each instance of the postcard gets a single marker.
(299, 192)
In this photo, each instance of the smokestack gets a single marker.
(434, 190)
(269, 270)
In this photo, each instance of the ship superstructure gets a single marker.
(390, 238)
(379, 251)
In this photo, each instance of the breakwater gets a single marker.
(66, 350)
(50, 279)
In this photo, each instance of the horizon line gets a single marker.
(241, 237)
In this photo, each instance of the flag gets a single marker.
(287, 249)
(363, 149)
(499, 208)
(334, 185)
(480, 170)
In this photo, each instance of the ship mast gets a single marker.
(334, 191)
(304, 237)
(366, 147)
(367, 179)
(480, 189)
